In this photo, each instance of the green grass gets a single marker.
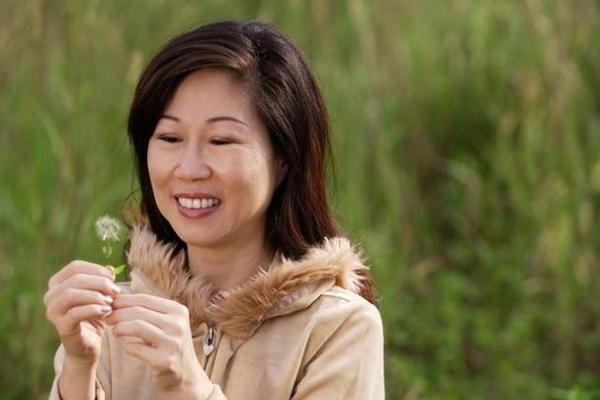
(467, 141)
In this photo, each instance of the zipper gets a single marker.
(209, 341)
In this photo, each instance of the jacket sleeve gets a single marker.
(344, 355)
(217, 394)
(102, 374)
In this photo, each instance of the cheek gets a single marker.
(152, 165)
(158, 166)
(252, 177)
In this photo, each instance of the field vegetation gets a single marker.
(467, 146)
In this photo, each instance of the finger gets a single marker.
(147, 354)
(92, 282)
(82, 281)
(155, 358)
(156, 303)
(143, 330)
(77, 297)
(160, 320)
(82, 313)
(79, 266)
(69, 323)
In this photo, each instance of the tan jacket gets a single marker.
(297, 330)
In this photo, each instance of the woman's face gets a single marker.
(211, 164)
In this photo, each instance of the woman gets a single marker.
(241, 287)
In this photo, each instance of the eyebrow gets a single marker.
(210, 120)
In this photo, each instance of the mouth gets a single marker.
(196, 206)
(198, 203)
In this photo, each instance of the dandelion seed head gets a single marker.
(108, 228)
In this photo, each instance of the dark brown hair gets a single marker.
(287, 99)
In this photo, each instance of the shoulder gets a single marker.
(339, 311)
(345, 330)
(346, 303)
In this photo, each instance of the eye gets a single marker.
(168, 139)
(221, 141)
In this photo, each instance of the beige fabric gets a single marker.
(297, 330)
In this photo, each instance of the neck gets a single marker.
(231, 264)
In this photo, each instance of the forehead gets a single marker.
(208, 91)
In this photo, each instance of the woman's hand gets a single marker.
(163, 327)
(79, 296)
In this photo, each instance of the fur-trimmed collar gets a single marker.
(283, 287)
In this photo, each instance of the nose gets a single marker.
(193, 165)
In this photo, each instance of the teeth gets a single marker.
(198, 203)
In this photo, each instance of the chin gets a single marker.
(199, 239)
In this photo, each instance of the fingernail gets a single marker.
(105, 309)
(115, 288)
(108, 299)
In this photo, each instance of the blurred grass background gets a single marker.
(467, 141)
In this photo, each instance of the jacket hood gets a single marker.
(278, 289)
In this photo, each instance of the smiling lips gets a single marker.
(196, 205)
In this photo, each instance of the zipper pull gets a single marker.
(209, 342)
